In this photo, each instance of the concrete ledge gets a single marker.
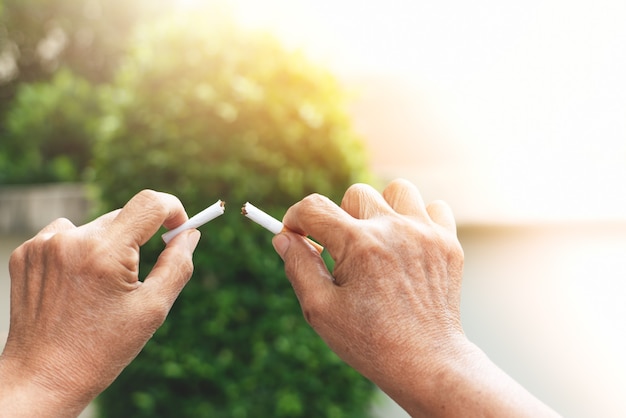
(28, 208)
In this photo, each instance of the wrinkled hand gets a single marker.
(391, 307)
(394, 294)
(79, 314)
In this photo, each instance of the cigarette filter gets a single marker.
(197, 220)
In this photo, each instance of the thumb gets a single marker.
(173, 268)
(305, 269)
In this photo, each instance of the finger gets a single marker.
(145, 213)
(441, 214)
(307, 273)
(173, 268)
(405, 198)
(327, 223)
(363, 202)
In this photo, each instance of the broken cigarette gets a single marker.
(270, 223)
(197, 220)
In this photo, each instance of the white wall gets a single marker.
(7, 245)
(27, 209)
(546, 303)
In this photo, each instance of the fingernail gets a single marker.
(281, 244)
(193, 237)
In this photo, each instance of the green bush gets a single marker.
(49, 131)
(220, 113)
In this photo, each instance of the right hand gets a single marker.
(392, 300)
(391, 307)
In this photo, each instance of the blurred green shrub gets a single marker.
(49, 131)
(38, 37)
(206, 111)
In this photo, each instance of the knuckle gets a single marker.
(314, 199)
(59, 224)
(150, 204)
(156, 205)
(55, 246)
(356, 188)
(356, 192)
(46, 248)
(148, 199)
(68, 253)
(62, 223)
(400, 184)
(147, 194)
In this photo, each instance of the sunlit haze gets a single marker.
(514, 113)
(511, 111)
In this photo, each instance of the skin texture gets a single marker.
(79, 314)
(391, 306)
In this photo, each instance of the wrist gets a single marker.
(460, 380)
(421, 381)
(24, 394)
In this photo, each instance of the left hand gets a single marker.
(79, 313)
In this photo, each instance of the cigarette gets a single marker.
(197, 220)
(270, 223)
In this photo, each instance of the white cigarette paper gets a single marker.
(266, 221)
(269, 222)
(197, 220)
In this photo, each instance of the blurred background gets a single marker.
(512, 112)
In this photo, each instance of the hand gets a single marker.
(393, 297)
(391, 307)
(79, 313)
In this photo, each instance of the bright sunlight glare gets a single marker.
(513, 110)
(189, 5)
(515, 114)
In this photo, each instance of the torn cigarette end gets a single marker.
(266, 221)
(270, 223)
(197, 220)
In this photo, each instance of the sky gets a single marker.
(513, 111)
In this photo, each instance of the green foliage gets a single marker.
(49, 131)
(88, 37)
(206, 111)
(39, 39)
